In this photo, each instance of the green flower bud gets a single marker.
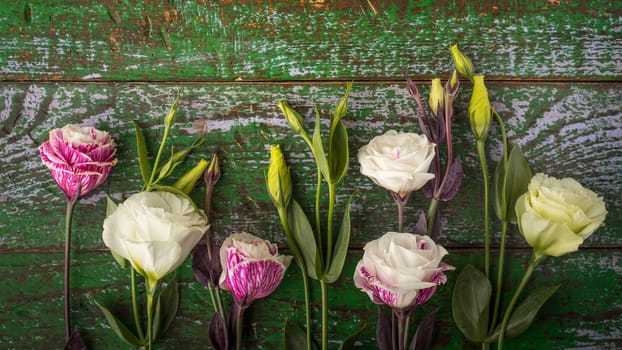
(187, 182)
(463, 64)
(212, 174)
(437, 96)
(480, 112)
(452, 85)
(293, 118)
(278, 180)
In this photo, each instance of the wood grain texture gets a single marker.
(557, 128)
(585, 313)
(282, 40)
(556, 125)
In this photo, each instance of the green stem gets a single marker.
(506, 318)
(66, 293)
(213, 297)
(406, 328)
(238, 327)
(324, 292)
(329, 225)
(401, 332)
(400, 214)
(432, 210)
(482, 159)
(305, 282)
(221, 309)
(318, 208)
(151, 291)
(139, 328)
(303, 270)
(485, 346)
(499, 286)
(157, 159)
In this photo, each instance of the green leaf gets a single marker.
(294, 337)
(122, 331)
(305, 239)
(176, 159)
(341, 109)
(349, 342)
(318, 148)
(341, 247)
(338, 154)
(111, 206)
(470, 303)
(141, 148)
(510, 183)
(166, 308)
(517, 179)
(524, 315)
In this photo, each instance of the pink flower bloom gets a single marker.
(79, 158)
(252, 268)
(401, 270)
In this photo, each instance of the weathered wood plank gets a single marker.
(586, 313)
(275, 40)
(565, 130)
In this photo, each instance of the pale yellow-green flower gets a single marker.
(463, 64)
(437, 96)
(187, 182)
(556, 216)
(278, 180)
(480, 112)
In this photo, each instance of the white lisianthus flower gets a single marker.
(251, 267)
(556, 216)
(155, 231)
(398, 161)
(401, 270)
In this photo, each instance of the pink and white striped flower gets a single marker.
(251, 267)
(401, 270)
(79, 158)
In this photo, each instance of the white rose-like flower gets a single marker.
(398, 161)
(556, 216)
(401, 270)
(155, 231)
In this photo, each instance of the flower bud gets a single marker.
(480, 113)
(293, 118)
(187, 182)
(437, 96)
(212, 174)
(463, 64)
(278, 180)
(452, 85)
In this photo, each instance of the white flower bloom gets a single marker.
(398, 162)
(401, 270)
(155, 231)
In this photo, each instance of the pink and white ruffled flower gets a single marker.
(79, 158)
(252, 267)
(401, 270)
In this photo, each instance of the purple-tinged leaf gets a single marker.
(422, 340)
(219, 333)
(206, 271)
(384, 328)
(75, 341)
(440, 127)
(422, 224)
(453, 181)
(430, 187)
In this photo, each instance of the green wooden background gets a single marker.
(555, 74)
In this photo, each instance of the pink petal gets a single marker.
(252, 280)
